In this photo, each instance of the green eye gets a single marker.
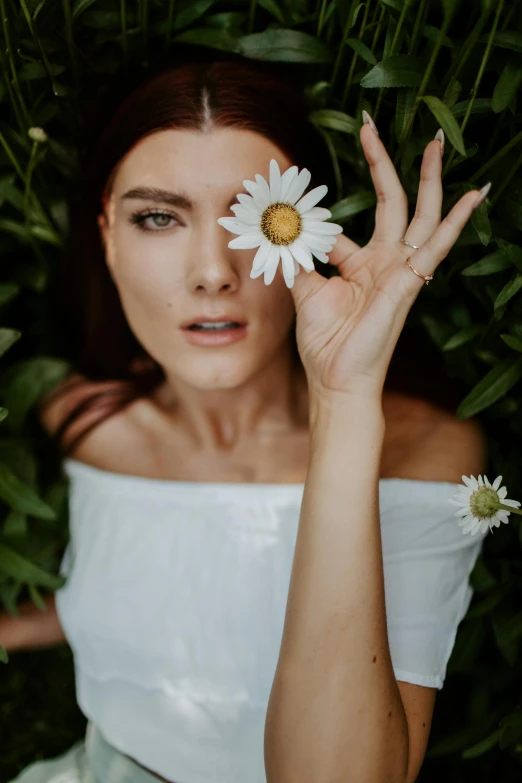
(161, 219)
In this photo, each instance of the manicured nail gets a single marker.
(482, 195)
(367, 119)
(440, 136)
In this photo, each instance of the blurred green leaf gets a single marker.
(285, 46)
(401, 70)
(17, 566)
(20, 496)
(499, 380)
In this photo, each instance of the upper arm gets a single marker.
(448, 450)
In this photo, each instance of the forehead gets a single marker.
(198, 162)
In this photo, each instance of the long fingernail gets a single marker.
(440, 136)
(482, 195)
(367, 119)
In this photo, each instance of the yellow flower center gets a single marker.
(484, 503)
(281, 223)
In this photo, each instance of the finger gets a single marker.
(391, 214)
(341, 252)
(429, 200)
(437, 247)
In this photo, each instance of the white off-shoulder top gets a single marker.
(175, 600)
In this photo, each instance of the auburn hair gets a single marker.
(196, 92)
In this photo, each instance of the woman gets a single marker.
(264, 577)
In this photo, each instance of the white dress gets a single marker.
(175, 600)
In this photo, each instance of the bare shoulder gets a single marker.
(428, 443)
(102, 441)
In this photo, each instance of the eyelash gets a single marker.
(138, 219)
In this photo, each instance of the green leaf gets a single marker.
(15, 524)
(8, 291)
(193, 10)
(494, 262)
(20, 496)
(362, 50)
(79, 6)
(25, 382)
(481, 747)
(508, 291)
(7, 338)
(462, 337)
(37, 598)
(481, 579)
(352, 205)
(272, 8)
(507, 39)
(335, 120)
(512, 341)
(400, 70)
(15, 565)
(285, 46)
(203, 36)
(507, 86)
(480, 222)
(511, 727)
(498, 381)
(447, 122)
(4, 658)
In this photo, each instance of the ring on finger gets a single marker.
(416, 247)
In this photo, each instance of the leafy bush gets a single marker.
(415, 66)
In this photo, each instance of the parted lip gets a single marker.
(199, 319)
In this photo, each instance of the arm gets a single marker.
(32, 627)
(335, 712)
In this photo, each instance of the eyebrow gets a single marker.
(162, 196)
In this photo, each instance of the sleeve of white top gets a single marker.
(427, 562)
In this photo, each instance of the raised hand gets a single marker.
(348, 326)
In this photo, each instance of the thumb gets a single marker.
(306, 284)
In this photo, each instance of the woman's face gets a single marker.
(175, 265)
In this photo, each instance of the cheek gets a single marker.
(145, 272)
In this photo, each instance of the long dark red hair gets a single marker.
(232, 92)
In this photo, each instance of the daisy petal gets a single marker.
(311, 198)
(470, 482)
(263, 184)
(246, 215)
(234, 226)
(298, 186)
(317, 213)
(262, 254)
(246, 200)
(321, 228)
(496, 483)
(302, 254)
(311, 240)
(275, 181)
(502, 492)
(247, 241)
(320, 256)
(271, 264)
(514, 503)
(258, 194)
(287, 263)
(286, 181)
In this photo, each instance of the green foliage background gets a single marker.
(415, 66)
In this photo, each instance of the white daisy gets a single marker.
(482, 505)
(283, 223)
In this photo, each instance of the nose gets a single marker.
(215, 267)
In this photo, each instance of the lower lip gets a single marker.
(223, 337)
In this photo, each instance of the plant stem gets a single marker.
(251, 17)
(475, 87)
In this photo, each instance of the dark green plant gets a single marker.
(415, 65)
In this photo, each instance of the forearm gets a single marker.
(31, 627)
(335, 713)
